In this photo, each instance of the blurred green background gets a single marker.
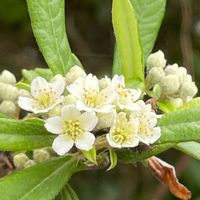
(91, 37)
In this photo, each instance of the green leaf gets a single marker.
(48, 24)
(18, 135)
(68, 193)
(180, 126)
(165, 106)
(42, 181)
(113, 159)
(150, 14)
(90, 155)
(193, 103)
(128, 40)
(132, 156)
(190, 148)
(23, 85)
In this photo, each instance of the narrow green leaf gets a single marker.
(90, 155)
(42, 181)
(113, 159)
(166, 106)
(45, 73)
(150, 14)
(128, 40)
(18, 135)
(68, 193)
(116, 69)
(48, 24)
(23, 85)
(190, 148)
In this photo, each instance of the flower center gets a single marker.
(90, 97)
(143, 129)
(45, 100)
(120, 135)
(72, 129)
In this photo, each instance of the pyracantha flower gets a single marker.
(123, 132)
(89, 95)
(44, 95)
(147, 132)
(72, 127)
(125, 97)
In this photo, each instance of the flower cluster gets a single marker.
(173, 81)
(76, 106)
(9, 94)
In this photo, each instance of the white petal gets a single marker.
(81, 106)
(91, 82)
(54, 125)
(76, 90)
(104, 109)
(38, 86)
(58, 85)
(156, 135)
(118, 80)
(62, 144)
(132, 143)
(27, 103)
(88, 121)
(70, 112)
(111, 142)
(106, 96)
(85, 141)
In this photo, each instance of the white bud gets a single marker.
(188, 89)
(55, 111)
(169, 84)
(20, 160)
(156, 59)
(171, 69)
(40, 155)
(69, 99)
(74, 73)
(182, 75)
(7, 77)
(154, 76)
(29, 163)
(105, 120)
(177, 102)
(104, 82)
(8, 92)
(8, 107)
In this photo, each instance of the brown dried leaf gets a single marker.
(166, 174)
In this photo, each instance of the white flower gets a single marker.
(44, 96)
(156, 59)
(125, 98)
(147, 132)
(73, 128)
(89, 95)
(74, 73)
(123, 132)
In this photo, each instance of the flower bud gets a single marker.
(29, 163)
(8, 92)
(188, 89)
(74, 73)
(69, 99)
(169, 84)
(156, 59)
(40, 155)
(7, 77)
(104, 82)
(182, 74)
(8, 107)
(171, 69)
(177, 102)
(55, 111)
(20, 160)
(154, 76)
(105, 120)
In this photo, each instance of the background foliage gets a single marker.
(91, 37)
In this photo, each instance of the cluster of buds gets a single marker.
(172, 81)
(9, 94)
(21, 160)
(78, 105)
